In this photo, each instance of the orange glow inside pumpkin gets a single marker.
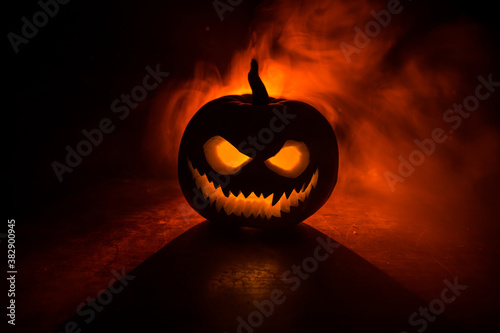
(223, 157)
(291, 160)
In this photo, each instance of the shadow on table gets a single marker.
(211, 279)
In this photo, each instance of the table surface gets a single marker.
(191, 275)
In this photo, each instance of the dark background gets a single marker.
(66, 77)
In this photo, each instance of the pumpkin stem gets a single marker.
(259, 92)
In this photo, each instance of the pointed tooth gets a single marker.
(312, 183)
(258, 207)
(219, 203)
(276, 211)
(207, 189)
(247, 211)
(263, 206)
(276, 198)
(284, 204)
(214, 195)
(228, 208)
(255, 210)
(269, 199)
(249, 207)
(302, 194)
(239, 204)
(201, 181)
(245, 205)
(238, 207)
(308, 189)
(225, 190)
(230, 203)
(253, 203)
(245, 193)
(262, 213)
(269, 213)
(252, 196)
(268, 206)
(195, 174)
(298, 189)
(315, 177)
(294, 198)
(194, 171)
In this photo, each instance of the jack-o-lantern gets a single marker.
(257, 161)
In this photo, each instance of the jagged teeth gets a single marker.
(302, 194)
(284, 204)
(253, 204)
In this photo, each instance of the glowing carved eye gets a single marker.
(223, 157)
(291, 160)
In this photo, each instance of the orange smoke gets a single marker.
(391, 92)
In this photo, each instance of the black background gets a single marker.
(66, 77)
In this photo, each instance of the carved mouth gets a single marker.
(254, 204)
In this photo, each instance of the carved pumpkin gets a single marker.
(256, 161)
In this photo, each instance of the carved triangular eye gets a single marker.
(223, 157)
(291, 160)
